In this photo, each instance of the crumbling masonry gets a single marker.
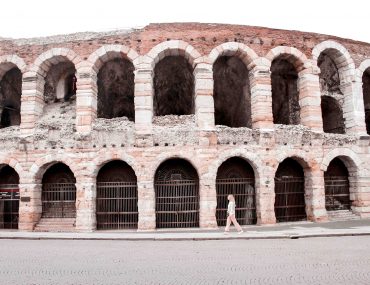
(152, 128)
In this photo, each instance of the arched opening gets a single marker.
(285, 95)
(10, 98)
(289, 192)
(332, 98)
(9, 197)
(236, 176)
(173, 87)
(116, 89)
(60, 83)
(176, 187)
(58, 192)
(332, 115)
(366, 95)
(337, 195)
(232, 92)
(116, 198)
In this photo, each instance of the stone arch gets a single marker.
(288, 68)
(109, 52)
(364, 65)
(350, 159)
(11, 70)
(40, 166)
(112, 70)
(231, 64)
(53, 56)
(341, 57)
(300, 156)
(293, 55)
(252, 158)
(240, 50)
(105, 157)
(13, 163)
(164, 157)
(363, 83)
(7, 62)
(172, 48)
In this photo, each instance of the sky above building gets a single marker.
(25, 18)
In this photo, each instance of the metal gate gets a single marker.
(116, 205)
(337, 193)
(289, 199)
(177, 203)
(59, 200)
(9, 206)
(244, 193)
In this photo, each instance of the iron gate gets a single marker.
(289, 199)
(9, 206)
(116, 205)
(177, 203)
(59, 200)
(243, 191)
(337, 193)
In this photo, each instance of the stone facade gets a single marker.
(85, 143)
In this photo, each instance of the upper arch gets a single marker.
(173, 48)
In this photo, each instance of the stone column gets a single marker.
(315, 195)
(86, 205)
(310, 98)
(86, 101)
(265, 196)
(144, 93)
(146, 205)
(207, 203)
(30, 205)
(261, 97)
(353, 109)
(204, 104)
(32, 101)
(360, 195)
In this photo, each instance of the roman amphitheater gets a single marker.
(153, 127)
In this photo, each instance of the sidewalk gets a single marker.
(278, 231)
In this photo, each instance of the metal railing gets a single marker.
(244, 193)
(177, 203)
(9, 206)
(58, 200)
(289, 199)
(116, 205)
(337, 193)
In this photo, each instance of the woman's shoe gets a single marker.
(240, 232)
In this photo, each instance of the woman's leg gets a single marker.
(235, 222)
(228, 223)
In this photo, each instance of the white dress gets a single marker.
(231, 208)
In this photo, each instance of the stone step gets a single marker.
(56, 225)
(342, 215)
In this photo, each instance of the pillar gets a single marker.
(146, 205)
(261, 97)
(86, 205)
(310, 98)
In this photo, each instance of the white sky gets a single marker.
(30, 18)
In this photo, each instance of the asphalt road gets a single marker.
(339, 260)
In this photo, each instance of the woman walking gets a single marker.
(231, 215)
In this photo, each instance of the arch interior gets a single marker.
(116, 200)
(235, 176)
(177, 195)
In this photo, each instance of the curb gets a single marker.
(190, 238)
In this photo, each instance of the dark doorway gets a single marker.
(235, 176)
(337, 195)
(177, 195)
(58, 192)
(116, 200)
(9, 198)
(289, 192)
